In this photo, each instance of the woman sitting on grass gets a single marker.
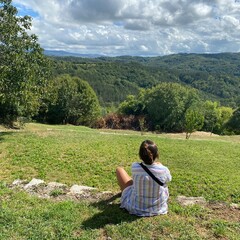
(141, 194)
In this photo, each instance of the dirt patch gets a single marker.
(224, 212)
(201, 133)
(186, 201)
(197, 134)
(220, 210)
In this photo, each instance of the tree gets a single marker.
(76, 102)
(23, 67)
(133, 105)
(194, 120)
(211, 116)
(166, 105)
(225, 114)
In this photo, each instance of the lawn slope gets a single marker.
(205, 166)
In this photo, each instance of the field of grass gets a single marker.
(205, 166)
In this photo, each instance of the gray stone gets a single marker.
(188, 201)
(33, 183)
(18, 183)
(107, 192)
(234, 206)
(77, 189)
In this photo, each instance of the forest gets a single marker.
(216, 76)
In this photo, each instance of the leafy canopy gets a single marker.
(75, 102)
(234, 122)
(23, 67)
(194, 120)
(163, 106)
(167, 104)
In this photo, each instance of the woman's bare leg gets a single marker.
(124, 180)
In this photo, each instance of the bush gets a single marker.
(117, 121)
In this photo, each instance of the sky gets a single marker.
(135, 27)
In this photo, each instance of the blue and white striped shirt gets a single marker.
(146, 197)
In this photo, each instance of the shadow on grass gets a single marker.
(111, 213)
(3, 134)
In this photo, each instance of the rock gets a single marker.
(188, 201)
(61, 192)
(33, 183)
(18, 183)
(234, 206)
(77, 189)
(107, 193)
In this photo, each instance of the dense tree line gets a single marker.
(171, 107)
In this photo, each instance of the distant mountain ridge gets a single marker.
(69, 54)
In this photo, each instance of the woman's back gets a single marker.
(146, 197)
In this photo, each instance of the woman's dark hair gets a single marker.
(148, 152)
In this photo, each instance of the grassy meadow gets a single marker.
(204, 165)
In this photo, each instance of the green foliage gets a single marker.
(23, 67)
(112, 82)
(194, 120)
(211, 115)
(134, 105)
(162, 106)
(225, 114)
(215, 75)
(234, 122)
(171, 107)
(56, 192)
(75, 103)
(167, 104)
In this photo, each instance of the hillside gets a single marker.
(71, 155)
(217, 76)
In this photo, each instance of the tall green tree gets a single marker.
(167, 104)
(225, 114)
(23, 67)
(75, 102)
(211, 116)
(194, 120)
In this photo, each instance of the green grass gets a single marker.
(201, 166)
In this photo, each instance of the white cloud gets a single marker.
(136, 27)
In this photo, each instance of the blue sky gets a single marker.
(23, 10)
(135, 27)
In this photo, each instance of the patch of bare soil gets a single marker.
(224, 212)
(220, 210)
(201, 133)
(197, 134)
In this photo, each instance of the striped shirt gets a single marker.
(146, 197)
